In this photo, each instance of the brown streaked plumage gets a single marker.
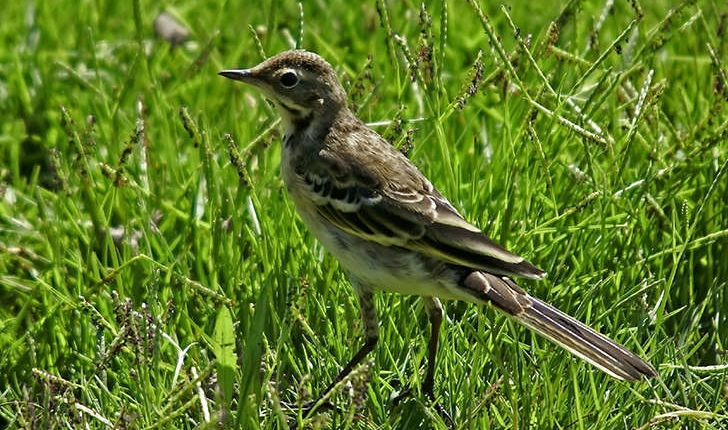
(391, 229)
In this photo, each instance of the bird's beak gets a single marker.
(244, 75)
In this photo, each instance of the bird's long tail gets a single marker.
(565, 331)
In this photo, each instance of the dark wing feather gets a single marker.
(385, 199)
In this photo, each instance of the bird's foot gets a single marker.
(441, 411)
(444, 414)
(308, 408)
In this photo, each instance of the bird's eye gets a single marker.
(289, 79)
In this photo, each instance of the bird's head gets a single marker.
(301, 85)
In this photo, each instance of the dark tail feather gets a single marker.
(565, 331)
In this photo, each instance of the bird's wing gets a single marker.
(382, 197)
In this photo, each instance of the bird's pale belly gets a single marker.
(382, 268)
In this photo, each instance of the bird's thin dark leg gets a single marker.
(371, 336)
(433, 307)
(434, 312)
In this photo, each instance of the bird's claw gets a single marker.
(407, 393)
(311, 406)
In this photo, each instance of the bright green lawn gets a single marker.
(145, 284)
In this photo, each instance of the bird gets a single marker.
(392, 230)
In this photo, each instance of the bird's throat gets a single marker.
(295, 121)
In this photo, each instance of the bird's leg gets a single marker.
(435, 313)
(433, 307)
(371, 336)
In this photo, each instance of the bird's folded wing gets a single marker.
(418, 220)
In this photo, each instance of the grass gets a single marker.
(154, 274)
